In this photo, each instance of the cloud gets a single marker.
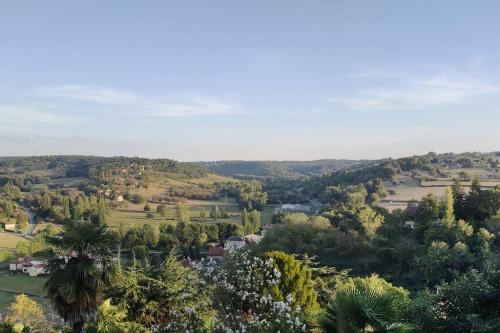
(95, 94)
(414, 93)
(19, 114)
(174, 105)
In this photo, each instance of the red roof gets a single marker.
(215, 251)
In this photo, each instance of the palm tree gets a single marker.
(362, 310)
(77, 278)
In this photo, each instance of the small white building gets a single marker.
(409, 224)
(234, 243)
(296, 208)
(28, 265)
(9, 226)
(37, 269)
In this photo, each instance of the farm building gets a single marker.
(216, 253)
(409, 224)
(234, 243)
(29, 265)
(9, 226)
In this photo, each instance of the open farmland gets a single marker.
(10, 240)
(134, 215)
(405, 188)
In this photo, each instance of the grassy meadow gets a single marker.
(14, 284)
(10, 240)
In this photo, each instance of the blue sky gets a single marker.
(212, 80)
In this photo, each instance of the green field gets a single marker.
(13, 284)
(134, 215)
(10, 240)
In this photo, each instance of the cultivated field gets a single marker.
(405, 188)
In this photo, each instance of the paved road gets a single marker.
(32, 221)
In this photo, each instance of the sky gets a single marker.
(251, 80)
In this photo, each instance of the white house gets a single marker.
(234, 243)
(293, 208)
(29, 266)
(409, 224)
(37, 269)
(10, 226)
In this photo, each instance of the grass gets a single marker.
(21, 283)
(267, 214)
(132, 218)
(42, 226)
(14, 284)
(134, 215)
(450, 182)
(9, 241)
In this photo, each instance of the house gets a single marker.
(28, 265)
(409, 224)
(37, 269)
(17, 265)
(119, 198)
(216, 253)
(234, 243)
(293, 208)
(9, 226)
(253, 238)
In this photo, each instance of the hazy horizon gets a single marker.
(225, 80)
(243, 160)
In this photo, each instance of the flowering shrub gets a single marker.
(242, 298)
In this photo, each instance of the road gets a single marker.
(32, 221)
